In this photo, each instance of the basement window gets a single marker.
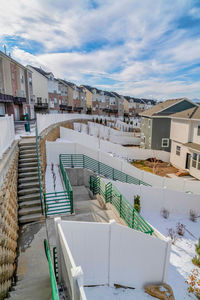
(198, 130)
(165, 142)
(194, 160)
(178, 150)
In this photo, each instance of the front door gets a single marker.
(188, 159)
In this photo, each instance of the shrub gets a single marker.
(137, 203)
(100, 121)
(131, 122)
(97, 120)
(165, 213)
(196, 259)
(194, 283)
(193, 215)
(105, 122)
(180, 229)
(172, 235)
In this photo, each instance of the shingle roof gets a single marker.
(160, 106)
(42, 72)
(191, 113)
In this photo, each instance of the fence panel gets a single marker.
(57, 203)
(7, 135)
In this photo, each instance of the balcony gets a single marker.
(41, 105)
(78, 109)
(6, 98)
(19, 100)
(63, 107)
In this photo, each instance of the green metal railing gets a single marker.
(57, 203)
(54, 289)
(38, 167)
(67, 184)
(126, 211)
(83, 161)
(55, 262)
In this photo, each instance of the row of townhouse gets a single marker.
(32, 90)
(174, 126)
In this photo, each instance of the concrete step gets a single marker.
(34, 190)
(27, 164)
(27, 174)
(31, 203)
(30, 218)
(28, 179)
(26, 144)
(28, 147)
(28, 185)
(29, 155)
(27, 151)
(27, 170)
(29, 211)
(28, 159)
(29, 197)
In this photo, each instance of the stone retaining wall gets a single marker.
(8, 220)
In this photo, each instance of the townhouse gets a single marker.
(16, 97)
(185, 140)
(156, 123)
(40, 89)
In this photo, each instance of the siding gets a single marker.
(161, 129)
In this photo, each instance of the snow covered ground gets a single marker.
(182, 251)
(109, 293)
(49, 181)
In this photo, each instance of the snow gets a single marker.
(182, 251)
(49, 182)
(109, 293)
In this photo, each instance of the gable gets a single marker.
(181, 106)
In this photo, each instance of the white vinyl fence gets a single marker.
(106, 259)
(156, 198)
(106, 146)
(7, 133)
(69, 275)
(53, 149)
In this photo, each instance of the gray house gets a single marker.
(156, 123)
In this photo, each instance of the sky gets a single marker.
(148, 48)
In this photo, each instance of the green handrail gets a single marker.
(84, 161)
(54, 289)
(126, 211)
(38, 166)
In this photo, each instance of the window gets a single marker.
(198, 130)
(55, 100)
(194, 160)
(178, 150)
(165, 142)
(198, 167)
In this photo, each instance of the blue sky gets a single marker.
(148, 48)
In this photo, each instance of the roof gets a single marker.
(71, 84)
(193, 146)
(191, 113)
(160, 107)
(13, 60)
(42, 72)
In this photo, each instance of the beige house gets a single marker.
(185, 140)
(40, 89)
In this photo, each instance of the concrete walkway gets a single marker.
(33, 280)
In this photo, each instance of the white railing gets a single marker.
(7, 133)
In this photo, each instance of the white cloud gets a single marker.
(136, 44)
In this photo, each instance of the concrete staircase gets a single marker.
(28, 182)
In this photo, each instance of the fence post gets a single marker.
(113, 173)
(83, 161)
(98, 167)
(120, 207)
(71, 202)
(133, 225)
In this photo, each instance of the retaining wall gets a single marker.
(8, 218)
